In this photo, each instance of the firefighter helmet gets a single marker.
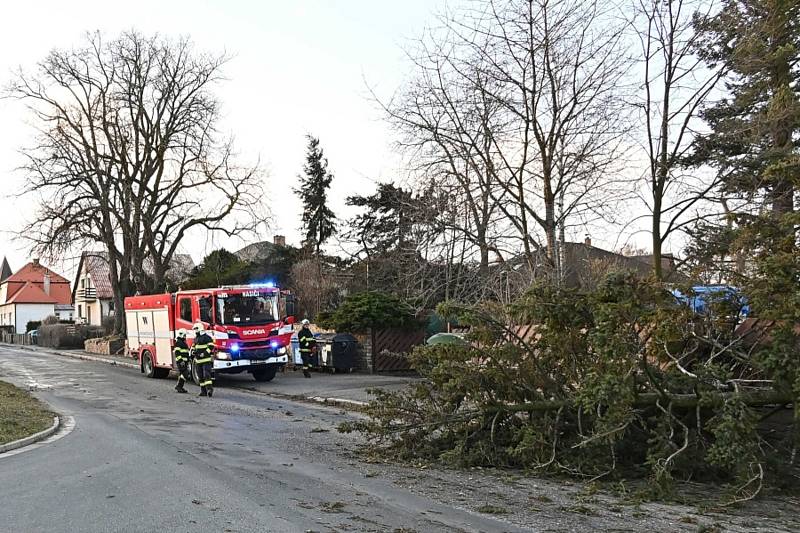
(305, 322)
(199, 328)
(182, 333)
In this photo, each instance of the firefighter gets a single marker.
(203, 351)
(308, 345)
(181, 353)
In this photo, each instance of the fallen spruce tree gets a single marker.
(617, 382)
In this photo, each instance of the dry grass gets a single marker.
(21, 414)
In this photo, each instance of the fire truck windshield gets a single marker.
(249, 308)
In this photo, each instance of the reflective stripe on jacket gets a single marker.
(306, 340)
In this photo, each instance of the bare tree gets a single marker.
(517, 106)
(128, 155)
(674, 85)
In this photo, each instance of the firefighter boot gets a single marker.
(210, 391)
(203, 391)
(179, 388)
(306, 373)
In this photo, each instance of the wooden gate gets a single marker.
(390, 348)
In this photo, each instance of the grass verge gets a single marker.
(21, 415)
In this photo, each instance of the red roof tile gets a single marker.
(35, 272)
(31, 294)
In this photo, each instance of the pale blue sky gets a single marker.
(298, 66)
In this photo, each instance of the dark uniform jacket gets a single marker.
(306, 340)
(181, 350)
(202, 348)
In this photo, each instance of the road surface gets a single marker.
(143, 458)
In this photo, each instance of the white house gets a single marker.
(32, 294)
(92, 292)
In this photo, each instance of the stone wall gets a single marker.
(105, 346)
(364, 357)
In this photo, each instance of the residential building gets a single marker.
(32, 294)
(92, 292)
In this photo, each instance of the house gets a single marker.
(32, 294)
(261, 251)
(92, 292)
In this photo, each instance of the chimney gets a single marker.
(36, 262)
(47, 284)
(587, 240)
(280, 240)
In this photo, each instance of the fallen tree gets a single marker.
(619, 381)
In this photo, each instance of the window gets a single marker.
(186, 309)
(246, 309)
(111, 306)
(205, 309)
(80, 311)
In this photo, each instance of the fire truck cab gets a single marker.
(251, 326)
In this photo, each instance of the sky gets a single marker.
(298, 67)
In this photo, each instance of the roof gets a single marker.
(258, 251)
(27, 285)
(96, 265)
(5, 271)
(35, 273)
(31, 294)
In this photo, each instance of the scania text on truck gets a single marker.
(251, 326)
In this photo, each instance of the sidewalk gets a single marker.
(323, 387)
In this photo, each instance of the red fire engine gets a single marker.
(251, 326)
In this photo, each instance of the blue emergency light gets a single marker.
(234, 348)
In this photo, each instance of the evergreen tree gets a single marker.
(756, 129)
(385, 223)
(319, 222)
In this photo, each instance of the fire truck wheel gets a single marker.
(147, 364)
(267, 373)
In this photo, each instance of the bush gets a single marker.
(65, 336)
(365, 310)
(32, 325)
(50, 320)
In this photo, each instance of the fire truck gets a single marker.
(251, 326)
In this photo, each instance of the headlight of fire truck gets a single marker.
(279, 350)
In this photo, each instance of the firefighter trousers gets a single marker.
(205, 376)
(183, 372)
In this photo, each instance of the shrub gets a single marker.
(50, 320)
(66, 336)
(364, 310)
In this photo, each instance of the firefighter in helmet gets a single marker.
(203, 351)
(181, 353)
(308, 345)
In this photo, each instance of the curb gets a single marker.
(344, 403)
(36, 437)
(338, 402)
(98, 359)
(75, 355)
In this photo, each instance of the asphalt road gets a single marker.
(143, 458)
